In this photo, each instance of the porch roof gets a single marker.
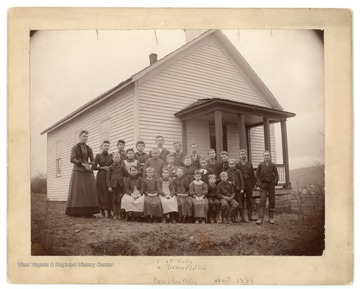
(206, 106)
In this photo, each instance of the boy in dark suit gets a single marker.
(267, 178)
(248, 174)
(115, 183)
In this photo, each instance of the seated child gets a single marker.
(236, 178)
(155, 162)
(226, 194)
(204, 170)
(214, 202)
(152, 204)
(198, 191)
(115, 184)
(167, 196)
(181, 187)
(133, 199)
(131, 161)
(140, 155)
(170, 159)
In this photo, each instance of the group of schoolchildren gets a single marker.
(175, 187)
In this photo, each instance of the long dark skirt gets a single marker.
(185, 206)
(82, 198)
(103, 194)
(200, 208)
(152, 207)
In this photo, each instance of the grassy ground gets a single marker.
(54, 233)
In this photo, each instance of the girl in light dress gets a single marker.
(198, 191)
(152, 203)
(133, 200)
(168, 199)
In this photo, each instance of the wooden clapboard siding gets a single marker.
(233, 142)
(204, 73)
(119, 109)
(199, 132)
(258, 146)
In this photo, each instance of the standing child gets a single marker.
(195, 158)
(152, 206)
(115, 183)
(170, 159)
(204, 170)
(168, 199)
(133, 199)
(178, 154)
(224, 166)
(247, 171)
(214, 202)
(188, 169)
(213, 164)
(181, 187)
(163, 152)
(140, 155)
(154, 162)
(235, 177)
(226, 194)
(198, 191)
(267, 178)
(131, 161)
(121, 149)
(102, 163)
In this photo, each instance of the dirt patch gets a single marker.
(54, 233)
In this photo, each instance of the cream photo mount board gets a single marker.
(335, 266)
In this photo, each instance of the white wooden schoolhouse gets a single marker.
(204, 92)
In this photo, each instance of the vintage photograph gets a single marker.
(184, 142)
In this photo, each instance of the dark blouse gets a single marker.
(132, 182)
(149, 186)
(181, 185)
(102, 160)
(141, 157)
(81, 154)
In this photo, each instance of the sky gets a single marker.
(70, 68)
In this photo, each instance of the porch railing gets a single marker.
(282, 176)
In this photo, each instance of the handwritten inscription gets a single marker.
(174, 281)
(180, 264)
(232, 280)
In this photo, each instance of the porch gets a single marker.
(220, 112)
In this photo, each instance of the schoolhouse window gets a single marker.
(58, 158)
(213, 137)
(105, 130)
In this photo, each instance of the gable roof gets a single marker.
(221, 39)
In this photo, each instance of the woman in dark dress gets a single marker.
(102, 163)
(82, 199)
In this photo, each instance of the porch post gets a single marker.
(184, 136)
(242, 131)
(218, 134)
(267, 134)
(285, 153)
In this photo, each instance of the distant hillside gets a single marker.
(310, 175)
